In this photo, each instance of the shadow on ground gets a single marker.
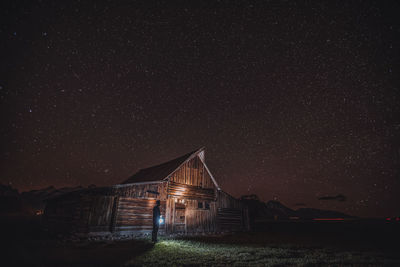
(28, 245)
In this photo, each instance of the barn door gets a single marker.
(179, 218)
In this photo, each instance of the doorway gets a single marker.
(179, 216)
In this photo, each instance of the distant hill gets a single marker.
(8, 191)
(275, 210)
(310, 213)
(10, 200)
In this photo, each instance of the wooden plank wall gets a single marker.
(101, 212)
(170, 215)
(193, 173)
(229, 219)
(136, 214)
(142, 190)
(78, 213)
(200, 220)
(196, 220)
(232, 214)
(189, 192)
(227, 201)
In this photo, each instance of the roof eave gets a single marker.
(138, 183)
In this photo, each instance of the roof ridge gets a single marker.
(165, 162)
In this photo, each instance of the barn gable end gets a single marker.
(189, 169)
(193, 172)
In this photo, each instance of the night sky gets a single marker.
(293, 101)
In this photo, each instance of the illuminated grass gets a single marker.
(170, 252)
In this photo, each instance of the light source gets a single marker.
(161, 220)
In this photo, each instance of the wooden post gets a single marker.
(173, 215)
(185, 219)
(114, 214)
(167, 216)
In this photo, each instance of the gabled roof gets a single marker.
(162, 171)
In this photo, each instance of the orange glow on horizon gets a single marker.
(328, 219)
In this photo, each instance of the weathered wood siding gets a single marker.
(193, 173)
(101, 212)
(142, 190)
(179, 190)
(227, 201)
(79, 213)
(188, 186)
(170, 215)
(229, 219)
(200, 220)
(185, 216)
(232, 214)
(136, 214)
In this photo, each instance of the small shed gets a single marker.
(191, 202)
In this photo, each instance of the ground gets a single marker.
(277, 244)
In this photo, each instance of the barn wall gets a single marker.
(227, 201)
(195, 219)
(180, 190)
(232, 214)
(170, 215)
(100, 216)
(136, 214)
(200, 220)
(141, 190)
(86, 213)
(183, 201)
(79, 213)
(193, 173)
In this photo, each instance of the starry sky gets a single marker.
(293, 101)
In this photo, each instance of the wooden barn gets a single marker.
(191, 202)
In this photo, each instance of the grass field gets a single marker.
(255, 249)
(184, 253)
(279, 244)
